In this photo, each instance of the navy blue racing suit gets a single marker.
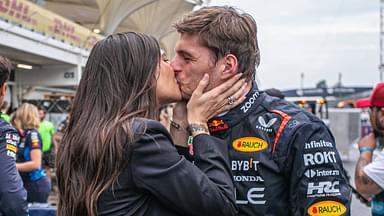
(13, 197)
(35, 182)
(284, 160)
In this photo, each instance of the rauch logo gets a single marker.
(326, 208)
(249, 144)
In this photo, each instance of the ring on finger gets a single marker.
(231, 100)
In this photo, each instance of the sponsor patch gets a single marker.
(318, 144)
(293, 124)
(35, 143)
(265, 126)
(323, 189)
(244, 165)
(11, 147)
(248, 179)
(10, 136)
(249, 102)
(217, 125)
(249, 144)
(320, 173)
(326, 208)
(34, 136)
(255, 196)
(319, 158)
(11, 154)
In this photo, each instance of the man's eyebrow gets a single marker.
(186, 53)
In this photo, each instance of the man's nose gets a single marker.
(174, 65)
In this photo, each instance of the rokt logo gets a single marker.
(326, 208)
(249, 144)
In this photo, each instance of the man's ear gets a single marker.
(3, 90)
(230, 66)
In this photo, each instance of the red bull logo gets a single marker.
(217, 125)
(326, 208)
(249, 144)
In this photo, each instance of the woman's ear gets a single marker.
(230, 66)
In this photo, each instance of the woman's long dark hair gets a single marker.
(118, 85)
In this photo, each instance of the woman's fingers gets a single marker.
(219, 90)
(238, 98)
(202, 85)
(240, 92)
(235, 88)
(225, 102)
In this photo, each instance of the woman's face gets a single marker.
(167, 89)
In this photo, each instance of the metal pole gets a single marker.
(302, 81)
(381, 66)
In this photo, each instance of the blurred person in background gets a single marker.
(165, 116)
(117, 159)
(47, 130)
(61, 128)
(13, 197)
(369, 174)
(29, 153)
(4, 112)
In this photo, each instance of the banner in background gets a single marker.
(38, 19)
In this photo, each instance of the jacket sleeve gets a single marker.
(205, 188)
(318, 181)
(13, 197)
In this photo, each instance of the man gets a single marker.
(13, 197)
(369, 174)
(3, 112)
(284, 160)
(46, 130)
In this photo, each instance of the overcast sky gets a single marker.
(320, 38)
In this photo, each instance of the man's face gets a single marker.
(41, 115)
(376, 114)
(191, 62)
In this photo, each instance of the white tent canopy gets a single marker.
(154, 17)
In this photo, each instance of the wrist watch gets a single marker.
(194, 128)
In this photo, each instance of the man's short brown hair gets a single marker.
(5, 69)
(224, 30)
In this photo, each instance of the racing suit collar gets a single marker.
(222, 122)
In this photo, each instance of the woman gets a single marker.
(115, 160)
(29, 154)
